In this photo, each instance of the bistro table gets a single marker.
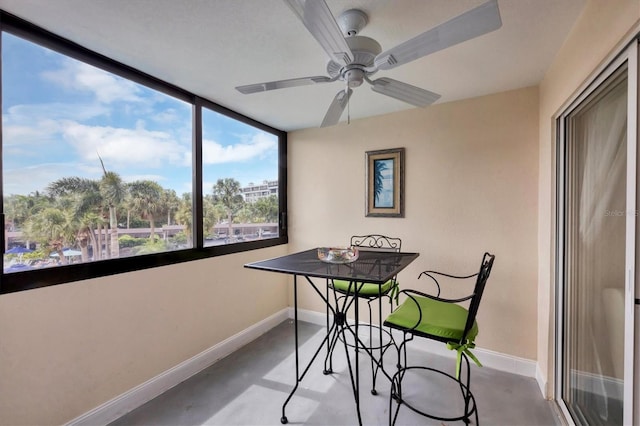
(376, 267)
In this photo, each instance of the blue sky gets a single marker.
(59, 114)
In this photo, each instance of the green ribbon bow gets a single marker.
(460, 348)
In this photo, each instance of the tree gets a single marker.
(170, 203)
(53, 228)
(83, 199)
(183, 216)
(146, 201)
(266, 209)
(18, 208)
(113, 192)
(226, 192)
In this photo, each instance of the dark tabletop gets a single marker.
(375, 267)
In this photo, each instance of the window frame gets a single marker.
(37, 278)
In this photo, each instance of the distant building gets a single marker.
(253, 192)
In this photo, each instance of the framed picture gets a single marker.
(385, 183)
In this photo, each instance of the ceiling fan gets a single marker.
(354, 58)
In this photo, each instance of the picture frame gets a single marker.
(385, 183)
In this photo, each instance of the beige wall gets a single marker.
(471, 186)
(602, 25)
(69, 348)
(479, 177)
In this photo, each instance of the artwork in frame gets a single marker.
(385, 183)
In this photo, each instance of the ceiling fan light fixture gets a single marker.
(354, 77)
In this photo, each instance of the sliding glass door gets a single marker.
(596, 250)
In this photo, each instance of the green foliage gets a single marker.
(127, 241)
(179, 238)
(149, 247)
(75, 212)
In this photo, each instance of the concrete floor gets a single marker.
(249, 387)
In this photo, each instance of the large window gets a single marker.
(106, 169)
(240, 181)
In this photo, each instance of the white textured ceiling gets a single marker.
(210, 46)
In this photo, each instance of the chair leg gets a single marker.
(466, 394)
(395, 393)
(464, 383)
(381, 347)
(394, 396)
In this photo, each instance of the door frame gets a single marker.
(629, 56)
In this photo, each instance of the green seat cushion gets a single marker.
(441, 319)
(367, 289)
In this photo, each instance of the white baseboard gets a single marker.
(122, 404)
(488, 358)
(313, 317)
(542, 383)
(141, 394)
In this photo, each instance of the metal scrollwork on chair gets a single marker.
(375, 241)
(442, 319)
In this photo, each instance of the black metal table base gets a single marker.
(336, 331)
(372, 266)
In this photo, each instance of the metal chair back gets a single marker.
(481, 282)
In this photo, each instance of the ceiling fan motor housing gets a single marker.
(364, 51)
(353, 57)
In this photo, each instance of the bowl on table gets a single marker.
(338, 254)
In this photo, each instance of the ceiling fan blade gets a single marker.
(404, 92)
(316, 16)
(473, 23)
(336, 108)
(282, 84)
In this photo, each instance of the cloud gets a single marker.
(256, 146)
(106, 87)
(125, 147)
(40, 123)
(25, 180)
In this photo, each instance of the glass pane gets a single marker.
(593, 326)
(95, 166)
(240, 181)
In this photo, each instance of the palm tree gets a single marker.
(113, 192)
(183, 216)
(146, 200)
(380, 166)
(18, 208)
(227, 193)
(82, 197)
(53, 228)
(170, 202)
